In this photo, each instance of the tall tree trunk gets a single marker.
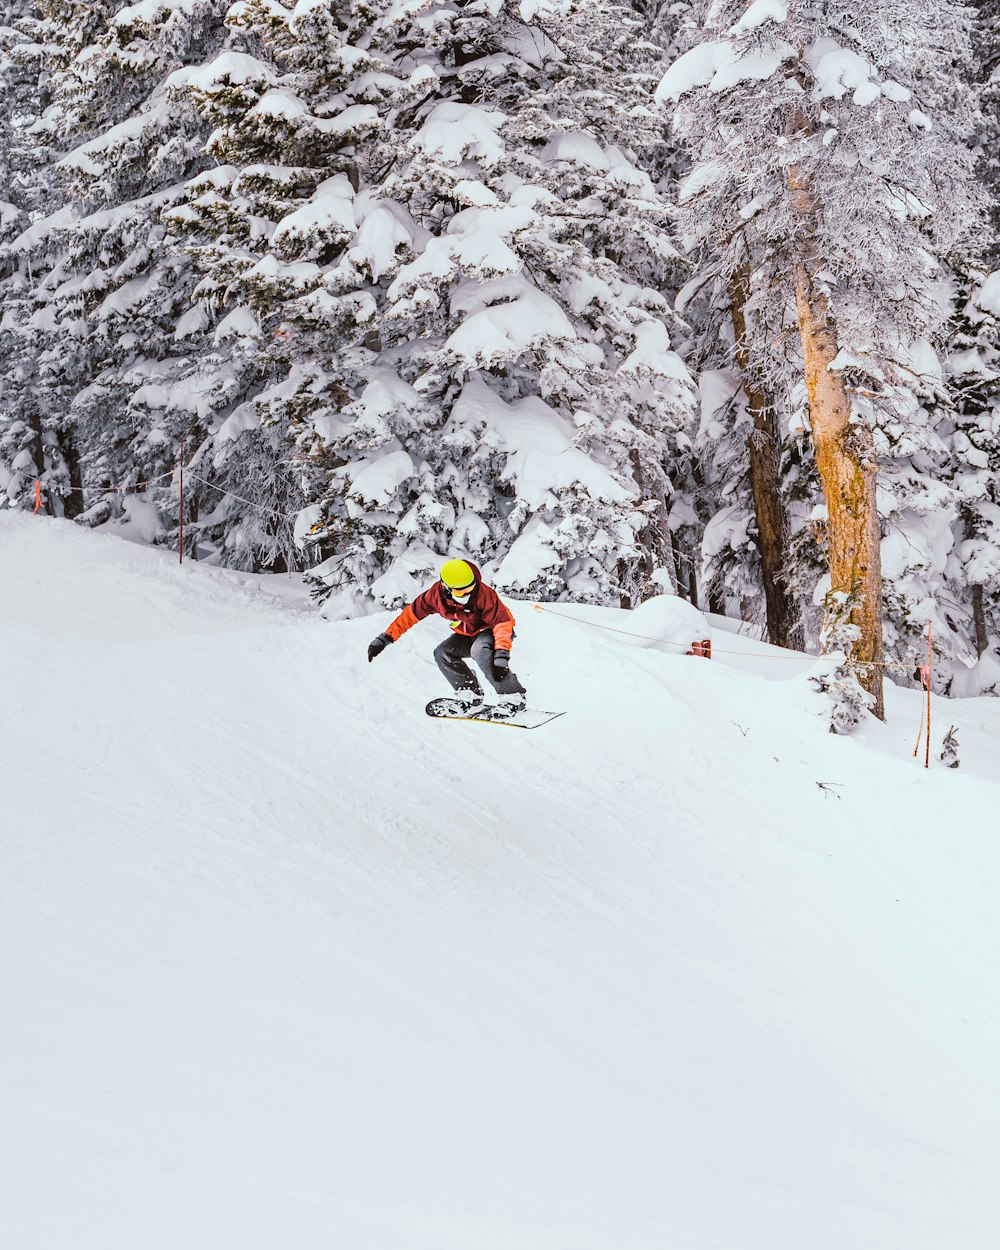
(687, 583)
(762, 445)
(658, 553)
(844, 455)
(979, 619)
(656, 540)
(73, 502)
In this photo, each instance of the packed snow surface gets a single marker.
(286, 963)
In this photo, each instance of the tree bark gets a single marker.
(656, 543)
(979, 620)
(687, 584)
(844, 453)
(843, 456)
(73, 502)
(762, 445)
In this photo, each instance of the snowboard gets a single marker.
(529, 718)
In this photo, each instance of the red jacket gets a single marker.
(482, 610)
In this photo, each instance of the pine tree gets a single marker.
(95, 291)
(985, 75)
(747, 462)
(24, 448)
(442, 225)
(971, 429)
(822, 134)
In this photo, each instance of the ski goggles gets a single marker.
(459, 592)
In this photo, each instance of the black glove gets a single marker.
(378, 646)
(501, 664)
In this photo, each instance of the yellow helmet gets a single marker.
(458, 575)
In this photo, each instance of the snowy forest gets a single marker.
(679, 320)
(616, 298)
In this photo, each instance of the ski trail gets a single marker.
(296, 963)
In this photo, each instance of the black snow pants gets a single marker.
(452, 654)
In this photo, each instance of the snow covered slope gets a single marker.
(287, 964)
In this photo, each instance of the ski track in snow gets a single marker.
(288, 963)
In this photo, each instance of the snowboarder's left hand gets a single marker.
(501, 664)
(377, 646)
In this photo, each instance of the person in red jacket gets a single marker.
(483, 629)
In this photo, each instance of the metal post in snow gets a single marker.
(181, 540)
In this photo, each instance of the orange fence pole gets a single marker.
(930, 662)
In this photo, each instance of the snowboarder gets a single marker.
(483, 629)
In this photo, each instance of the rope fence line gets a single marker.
(758, 655)
(700, 648)
(108, 490)
(134, 490)
(141, 486)
(704, 648)
(249, 502)
(900, 665)
(663, 642)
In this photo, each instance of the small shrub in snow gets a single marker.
(850, 701)
(949, 748)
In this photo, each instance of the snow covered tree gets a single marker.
(740, 460)
(985, 75)
(441, 223)
(970, 422)
(763, 443)
(22, 436)
(19, 95)
(94, 291)
(943, 545)
(971, 429)
(838, 677)
(746, 460)
(823, 135)
(554, 273)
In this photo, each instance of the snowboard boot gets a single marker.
(509, 705)
(470, 701)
